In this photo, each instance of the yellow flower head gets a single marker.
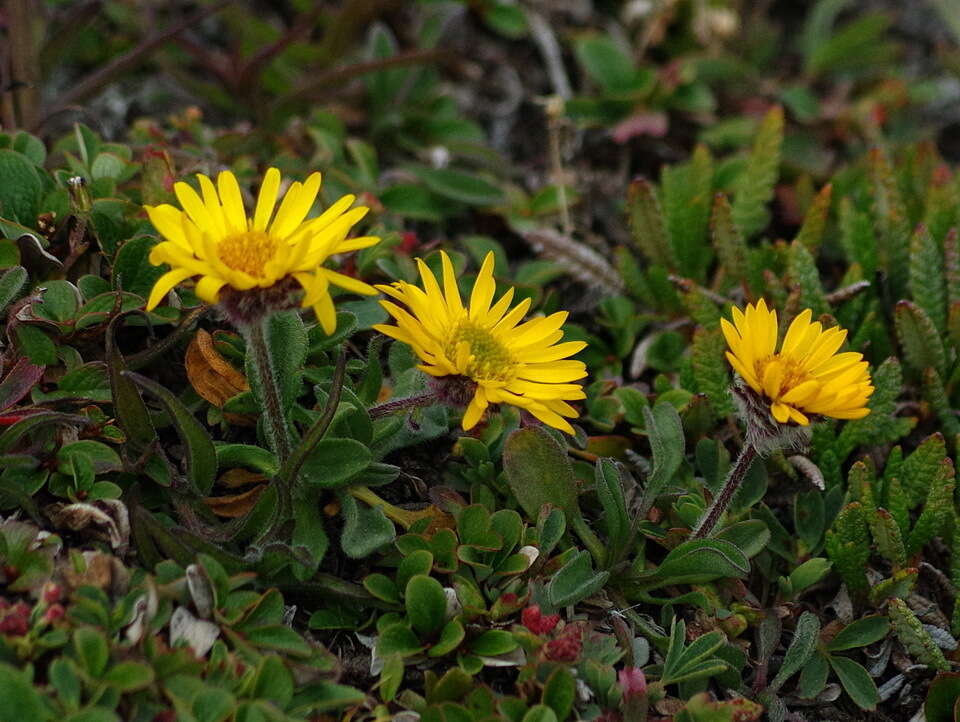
(212, 237)
(807, 375)
(508, 362)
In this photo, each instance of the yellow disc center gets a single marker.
(779, 374)
(248, 252)
(484, 357)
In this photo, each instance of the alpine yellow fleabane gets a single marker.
(212, 237)
(508, 361)
(807, 375)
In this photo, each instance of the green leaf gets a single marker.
(460, 186)
(750, 536)
(727, 240)
(610, 492)
(804, 273)
(646, 224)
(451, 636)
(575, 581)
(891, 221)
(815, 220)
(426, 604)
(801, 648)
(886, 534)
(333, 462)
(20, 188)
(132, 270)
(11, 283)
(65, 679)
(278, 637)
(937, 513)
(942, 697)
(201, 456)
(21, 701)
(754, 188)
(914, 637)
(697, 561)
(398, 639)
(860, 633)
(391, 677)
(711, 370)
(493, 642)
(129, 676)
(274, 682)
(91, 650)
(926, 282)
(856, 682)
(919, 338)
(813, 676)
(364, 529)
(539, 472)
(129, 408)
(687, 194)
(665, 432)
(606, 63)
(559, 692)
(540, 713)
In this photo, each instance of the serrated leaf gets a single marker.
(810, 234)
(754, 188)
(804, 274)
(926, 282)
(913, 636)
(647, 224)
(938, 510)
(687, 194)
(727, 240)
(711, 370)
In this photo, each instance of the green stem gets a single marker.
(291, 469)
(276, 419)
(722, 500)
(410, 402)
(590, 540)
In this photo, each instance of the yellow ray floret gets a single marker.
(510, 362)
(807, 375)
(213, 238)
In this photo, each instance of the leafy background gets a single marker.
(643, 165)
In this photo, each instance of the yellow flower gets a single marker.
(213, 238)
(807, 375)
(508, 362)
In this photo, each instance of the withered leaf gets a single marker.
(234, 505)
(211, 376)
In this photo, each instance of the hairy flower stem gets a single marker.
(276, 421)
(722, 500)
(409, 402)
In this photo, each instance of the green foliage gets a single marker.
(509, 572)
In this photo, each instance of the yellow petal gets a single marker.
(232, 202)
(208, 288)
(348, 283)
(450, 290)
(163, 285)
(267, 199)
(483, 289)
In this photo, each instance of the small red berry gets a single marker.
(52, 593)
(54, 613)
(566, 647)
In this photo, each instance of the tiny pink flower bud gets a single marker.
(54, 613)
(52, 593)
(633, 682)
